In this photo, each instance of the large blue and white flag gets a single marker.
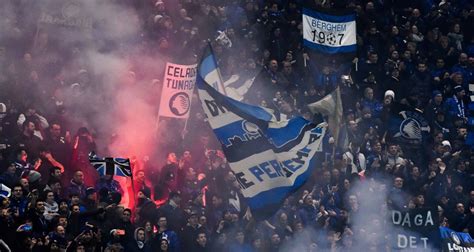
(270, 158)
(329, 33)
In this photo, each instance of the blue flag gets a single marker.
(270, 158)
(408, 126)
(333, 32)
(456, 241)
(111, 166)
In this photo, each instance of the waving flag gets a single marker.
(456, 241)
(407, 126)
(209, 71)
(326, 32)
(330, 106)
(111, 166)
(270, 158)
(237, 86)
(5, 190)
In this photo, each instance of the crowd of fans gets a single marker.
(416, 54)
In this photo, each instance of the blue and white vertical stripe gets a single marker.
(209, 71)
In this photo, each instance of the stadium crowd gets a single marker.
(416, 54)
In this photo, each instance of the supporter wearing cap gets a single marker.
(90, 202)
(172, 211)
(190, 231)
(165, 234)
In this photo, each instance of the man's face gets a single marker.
(326, 175)
(50, 197)
(420, 199)
(373, 58)
(60, 230)
(398, 183)
(352, 200)
(126, 215)
(172, 158)
(23, 156)
(79, 177)
(55, 130)
(24, 183)
(273, 65)
(56, 187)
(202, 240)
(30, 128)
(62, 222)
(56, 173)
(193, 220)
(439, 63)
(275, 239)
(141, 235)
(11, 169)
(140, 176)
(422, 68)
(463, 59)
(187, 155)
(287, 68)
(392, 149)
(460, 208)
(75, 209)
(17, 192)
(75, 199)
(462, 132)
(40, 207)
(162, 222)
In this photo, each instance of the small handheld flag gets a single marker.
(5, 190)
(111, 166)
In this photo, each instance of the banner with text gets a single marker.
(416, 229)
(456, 241)
(329, 33)
(178, 86)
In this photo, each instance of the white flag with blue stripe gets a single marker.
(329, 33)
(5, 190)
(209, 71)
(270, 158)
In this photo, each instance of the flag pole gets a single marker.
(185, 127)
(133, 188)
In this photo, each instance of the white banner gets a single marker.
(329, 33)
(178, 86)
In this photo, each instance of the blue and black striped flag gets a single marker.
(110, 165)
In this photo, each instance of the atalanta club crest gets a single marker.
(413, 127)
(180, 103)
(455, 238)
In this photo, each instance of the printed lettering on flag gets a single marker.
(455, 241)
(329, 33)
(416, 229)
(269, 158)
(178, 86)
